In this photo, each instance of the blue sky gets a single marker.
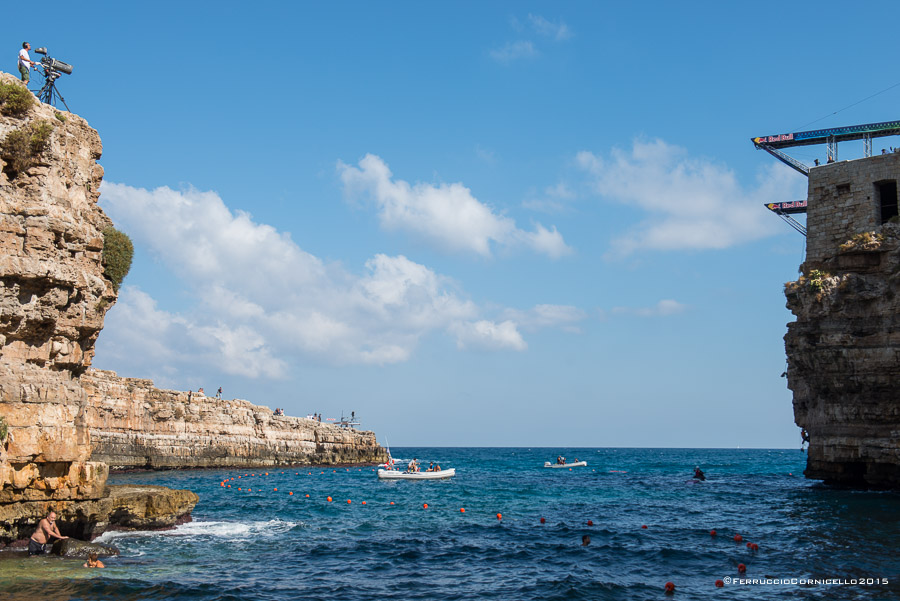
(505, 223)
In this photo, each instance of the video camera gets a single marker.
(53, 68)
(52, 65)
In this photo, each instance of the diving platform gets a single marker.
(830, 137)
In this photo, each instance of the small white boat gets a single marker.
(398, 475)
(558, 465)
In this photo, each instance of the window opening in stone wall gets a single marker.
(843, 189)
(887, 198)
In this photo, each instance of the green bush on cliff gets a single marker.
(21, 147)
(117, 254)
(15, 99)
(4, 429)
(817, 279)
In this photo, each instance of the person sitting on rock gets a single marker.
(40, 540)
(94, 562)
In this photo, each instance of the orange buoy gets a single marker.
(644, 527)
(719, 584)
(229, 486)
(742, 568)
(543, 521)
(712, 532)
(749, 545)
(267, 473)
(276, 490)
(499, 516)
(348, 501)
(328, 499)
(392, 502)
(670, 588)
(755, 547)
(291, 494)
(462, 509)
(425, 506)
(239, 488)
(738, 538)
(363, 502)
(307, 496)
(590, 522)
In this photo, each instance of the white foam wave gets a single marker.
(225, 530)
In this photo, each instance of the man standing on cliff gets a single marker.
(45, 531)
(25, 62)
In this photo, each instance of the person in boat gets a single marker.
(698, 474)
(560, 460)
(413, 466)
(437, 468)
(430, 467)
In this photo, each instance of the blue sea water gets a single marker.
(270, 545)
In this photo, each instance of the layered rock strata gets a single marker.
(844, 348)
(53, 299)
(134, 425)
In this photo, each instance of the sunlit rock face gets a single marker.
(844, 348)
(132, 424)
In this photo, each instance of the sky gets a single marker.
(472, 224)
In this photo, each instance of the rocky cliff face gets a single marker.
(134, 425)
(62, 424)
(844, 349)
(53, 295)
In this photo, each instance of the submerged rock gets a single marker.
(72, 547)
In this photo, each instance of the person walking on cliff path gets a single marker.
(25, 62)
(38, 544)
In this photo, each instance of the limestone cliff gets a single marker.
(134, 425)
(61, 423)
(844, 349)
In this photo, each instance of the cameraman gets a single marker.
(25, 62)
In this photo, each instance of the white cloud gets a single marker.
(663, 308)
(690, 203)
(558, 31)
(488, 335)
(257, 303)
(446, 215)
(547, 316)
(259, 297)
(512, 51)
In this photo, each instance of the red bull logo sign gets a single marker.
(771, 139)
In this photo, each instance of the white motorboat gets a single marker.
(558, 465)
(399, 475)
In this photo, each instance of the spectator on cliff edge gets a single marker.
(200, 391)
(219, 393)
(39, 543)
(25, 62)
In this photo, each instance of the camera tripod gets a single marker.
(49, 94)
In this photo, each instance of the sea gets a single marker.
(505, 527)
